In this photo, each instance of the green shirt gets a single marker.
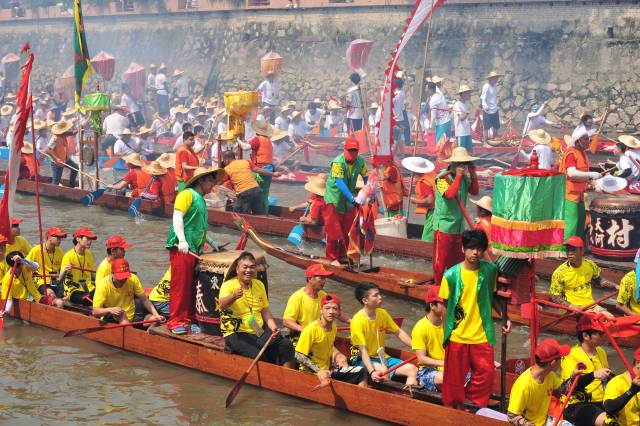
(340, 169)
(195, 220)
(447, 216)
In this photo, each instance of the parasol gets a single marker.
(11, 65)
(357, 54)
(135, 77)
(67, 82)
(104, 64)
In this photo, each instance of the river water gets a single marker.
(50, 380)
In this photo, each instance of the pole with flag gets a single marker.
(81, 60)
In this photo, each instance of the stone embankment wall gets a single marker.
(575, 55)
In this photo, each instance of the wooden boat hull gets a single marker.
(280, 222)
(369, 402)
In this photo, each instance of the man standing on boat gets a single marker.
(490, 113)
(315, 350)
(58, 151)
(339, 196)
(469, 336)
(185, 241)
(186, 160)
(452, 188)
(575, 165)
(571, 282)
(262, 157)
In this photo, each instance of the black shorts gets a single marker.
(279, 351)
(351, 374)
(491, 120)
(81, 298)
(583, 414)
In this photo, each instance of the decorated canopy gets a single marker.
(104, 64)
(135, 77)
(528, 209)
(357, 54)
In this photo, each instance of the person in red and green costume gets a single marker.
(186, 239)
(339, 197)
(575, 165)
(452, 189)
(468, 291)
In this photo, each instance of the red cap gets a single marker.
(120, 269)
(432, 295)
(84, 231)
(329, 298)
(351, 143)
(589, 322)
(117, 241)
(15, 221)
(574, 241)
(54, 231)
(549, 350)
(3, 239)
(317, 270)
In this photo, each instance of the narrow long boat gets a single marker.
(280, 221)
(207, 355)
(414, 286)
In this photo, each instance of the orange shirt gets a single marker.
(139, 181)
(61, 152)
(185, 155)
(168, 185)
(393, 189)
(240, 173)
(261, 150)
(425, 186)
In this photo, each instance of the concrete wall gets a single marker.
(553, 51)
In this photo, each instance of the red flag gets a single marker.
(363, 232)
(23, 111)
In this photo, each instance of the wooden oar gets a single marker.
(72, 168)
(234, 392)
(4, 302)
(291, 154)
(93, 196)
(394, 368)
(566, 401)
(570, 314)
(80, 331)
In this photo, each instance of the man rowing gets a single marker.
(621, 400)
(20, 243)
(244, 312)
(114, 296)
(77, 268)
(427, 338)
(571, 282)
(368, 330)
(21, 285)
(116, 246)
(530, 395)
(628, 300)
(469, 336)
(185, 240)
(315, 350)
(142, 183)
(50, 269)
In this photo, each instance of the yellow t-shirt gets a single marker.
(72, 282)
(162, 290)
(370, 333)
(468, 327)
(627, 293)
(104, 270)
(630, 414)
(317, 343)
(593, 363)
(52, 263)
(531, 399)
(20, 244)
(574, 284)
(183, 201)
(236, 317)
(428, 337)
(108, 295)
(21, 286)
(303, 309)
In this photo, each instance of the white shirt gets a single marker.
(581, 128)
(296, 130)
(179, 141)
(545, 156)
(130, 103)
(270, 92)
(462, 126)
(372, 118)
(312, 118)
(41, 142)
(535, 120)
(282, 123)
(177, 128)
(489, 97)
(114, 124)
(146, 145)
(439, 109)
(121, 148)
(161, 79)
(214, 151)
(398, 105)
(222, 126)
(159, 126)
(625, 162)
(151, 81)
(182, 87)
(355, 103)
(333, 119)
(280, 149)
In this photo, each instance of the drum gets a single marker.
(212, 271)
(614, 232)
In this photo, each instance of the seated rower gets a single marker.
(168, 181)
(585, 405)
(315, 350)
(316, 186)
(628, 301)
(530, 395)
(52, 261)
(22, 285)
(114, 296)
(244, 311)
(77, 268)
(571, 281)
(3, 252)
(116, 249)
(368, 329)
(427, 339)
(159, 295)
(303, 306)
(20, 243)
(141, 182)
(621, 400)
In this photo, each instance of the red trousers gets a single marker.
(181, 294)
(459, 359)
(337, 226)
(447, 251)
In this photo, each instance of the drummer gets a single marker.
(629, 159)
(425, 192)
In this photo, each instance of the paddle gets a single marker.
(566, 401)
(72, 168)
(394, 368)
(4, 302)
(88, 330)
(234, 392)
(397, 320)
(134, 208)
(295, 236)
(570, 314)
(93, 196)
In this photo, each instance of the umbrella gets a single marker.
(135, 77)
(11, 65)
(104, 64)
(357, 54)
(67, 82)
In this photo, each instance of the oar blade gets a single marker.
(295, 236)
(134, 208)
(72, 333)
(236, 389)
(92, 197)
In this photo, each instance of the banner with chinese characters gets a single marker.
(528, 209)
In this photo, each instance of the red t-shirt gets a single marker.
(317, 209)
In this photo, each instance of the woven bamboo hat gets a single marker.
(436, 79)
(629, 141)
(177, 72)
(261, 127)
(27, 148)
(167, 160)
(460, 155)
(143, 131)
(6, 110)
(61, 127)
(334, 105)
(278, 135)
(317, 184)
(540, 136)
(485, 202)
(295, 114)
(201, 172)
(39, 124)
(464, 89)
(154, 169)
(493, 74)
(135, 159)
